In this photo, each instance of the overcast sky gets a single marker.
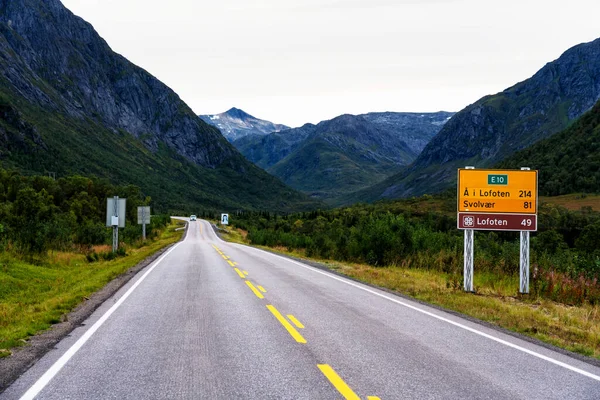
(298, 61)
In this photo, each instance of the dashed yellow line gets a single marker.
(373, 398)
(224, 256)
(239, 273)
(295, 321)
(245, 272)
(254, 290)
(262, 289)
(230, 263)
(338, 382)
(292, 331)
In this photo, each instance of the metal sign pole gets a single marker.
(524, 263)
(116, 227)
(468, 272)
(524, 257)
(469, 247)
(144, 223)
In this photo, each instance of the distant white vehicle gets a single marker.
(192, 217)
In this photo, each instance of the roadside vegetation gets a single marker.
(55, 250)
(413, 247)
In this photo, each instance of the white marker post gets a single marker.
(468, 256)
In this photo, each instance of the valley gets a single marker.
(306, 259)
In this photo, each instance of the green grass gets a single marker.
(33, 296)
(575, 201)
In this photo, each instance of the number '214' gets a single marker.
(524, 193)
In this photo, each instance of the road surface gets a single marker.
(213, 320)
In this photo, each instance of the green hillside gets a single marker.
(568, 161)
(319, 169)
(38, 141)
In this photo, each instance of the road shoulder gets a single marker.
(37, 346)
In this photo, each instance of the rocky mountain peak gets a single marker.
(235, 124)
(237, 113)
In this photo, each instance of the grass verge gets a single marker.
(574, 328)
(33, 296)
(575, 201)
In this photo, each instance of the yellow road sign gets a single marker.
(497, 191)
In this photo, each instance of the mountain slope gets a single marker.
(344, 154)
(568, 161)
(497, 126)
(235, 124)
(69, 104)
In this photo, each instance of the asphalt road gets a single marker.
(212, 320)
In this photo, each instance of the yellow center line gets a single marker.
(292, 331)
(262, 289)
(236, 263)
(230, 263)
(295, 321)
(224, 256)
(245, 272)
(338, 382)
(373, 398)
(239, 273)
(256, 292)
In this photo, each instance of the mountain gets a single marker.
(568, 161)
(235, 124)
(497, 126)
(344, 154)
(70, 105)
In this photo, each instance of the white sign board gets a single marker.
(110, 212)
(143, 214)
(224, 219)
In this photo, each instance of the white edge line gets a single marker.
(457, 324)
(39, 385)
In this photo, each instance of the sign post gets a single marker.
(468, 257)
(498, 200)
(524, 256)
(224, 219)
(468, 270)
(115, 217)
(143, 216)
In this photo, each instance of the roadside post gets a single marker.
(143, 217)
(469, 255)
(115, 217)
(497, 200)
